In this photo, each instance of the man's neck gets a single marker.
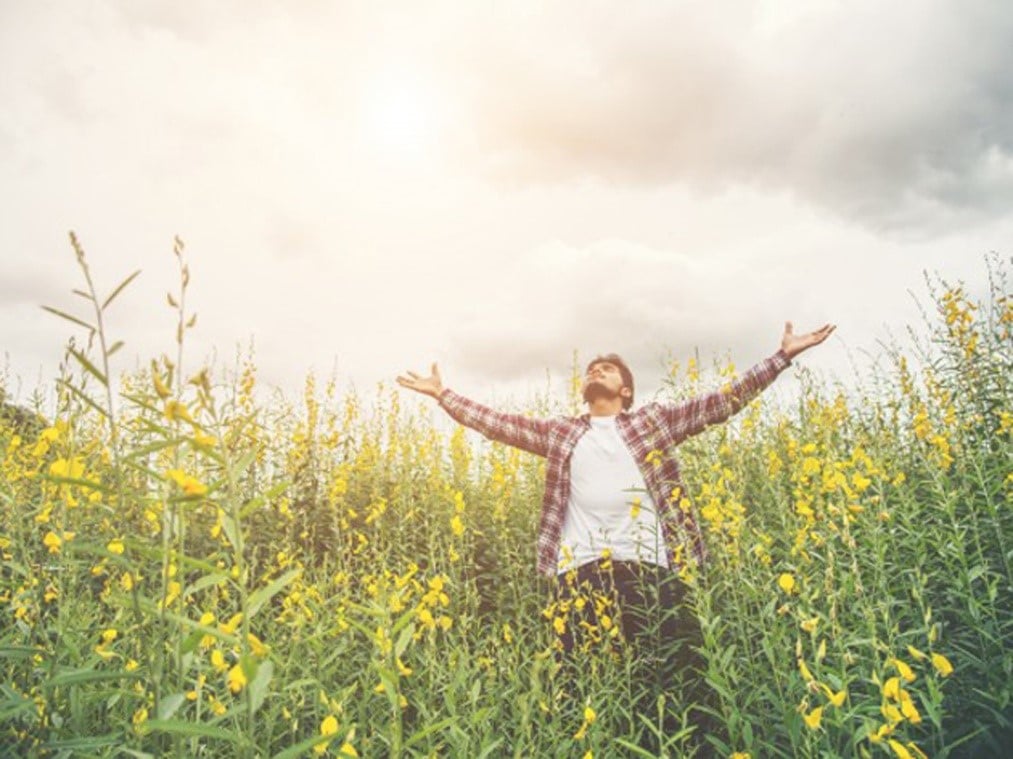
(605, 407)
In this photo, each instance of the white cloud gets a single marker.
(669, 178)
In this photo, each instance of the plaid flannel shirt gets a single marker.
(650, 433)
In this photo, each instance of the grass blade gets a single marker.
(119, 289)
(68, 317)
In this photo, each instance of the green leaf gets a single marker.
(262, 595)
(403, 639)
(259, 684)
(78, 676)
(634, 748)
(388, 678)
(88, 365)
(243, 464)
(179, 727)
(204, 582)
(90, 742)
(256, 502)
(229, 528)
(402, 621)
(170, 705)
(154, 448)
(119, 289)
(113, 348)
(90, 484)
(14, 705)
(429, 729)
(80, 395)
(300, 749)
(69, 318)
(18, 652)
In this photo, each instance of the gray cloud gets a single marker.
(616, 296)
(893, 115)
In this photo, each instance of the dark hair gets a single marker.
(624, 372)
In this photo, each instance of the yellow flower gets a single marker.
(892, 713)
(908, 708)
(236, 678)
(328, 727)
(140, 716)
(740, 755)
(188, 484)
(836, 699)
(52, 541)
(904, 670)
(942, 665)
(899, 750)
(879, 735)
(456, 525)
(115, 546)
(589, 715)
(347, 749)
(786, 582)
(804, 671)
(218, 660)
(916, 654)
(175, 410)
(70, 468)
(813, 718)
(258, 648)
(161, 389)
(108, 636)
(809, 625)
(891, 688)
(635, 508)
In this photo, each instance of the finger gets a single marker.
(788, 328)
(413, 375)
(436, 371)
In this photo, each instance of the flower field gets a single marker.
(193, 568)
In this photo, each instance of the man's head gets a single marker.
(608, 376)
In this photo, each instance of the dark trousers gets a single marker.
(640, 609)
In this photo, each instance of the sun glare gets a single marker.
(401, 117)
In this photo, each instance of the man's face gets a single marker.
(604, 380)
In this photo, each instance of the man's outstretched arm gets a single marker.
(522, 432)
(695, 415)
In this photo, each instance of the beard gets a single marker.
(597, 391)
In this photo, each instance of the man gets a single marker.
(615, 526)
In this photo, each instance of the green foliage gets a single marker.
(190, 571)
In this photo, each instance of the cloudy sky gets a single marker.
(366, 187)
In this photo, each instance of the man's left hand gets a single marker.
(793, 344)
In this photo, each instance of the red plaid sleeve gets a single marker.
(522, 432)
(695, 415)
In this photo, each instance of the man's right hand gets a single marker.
(431, 385)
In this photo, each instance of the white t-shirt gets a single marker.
(609, 506)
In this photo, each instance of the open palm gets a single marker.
(793, 344)
(431, 385)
